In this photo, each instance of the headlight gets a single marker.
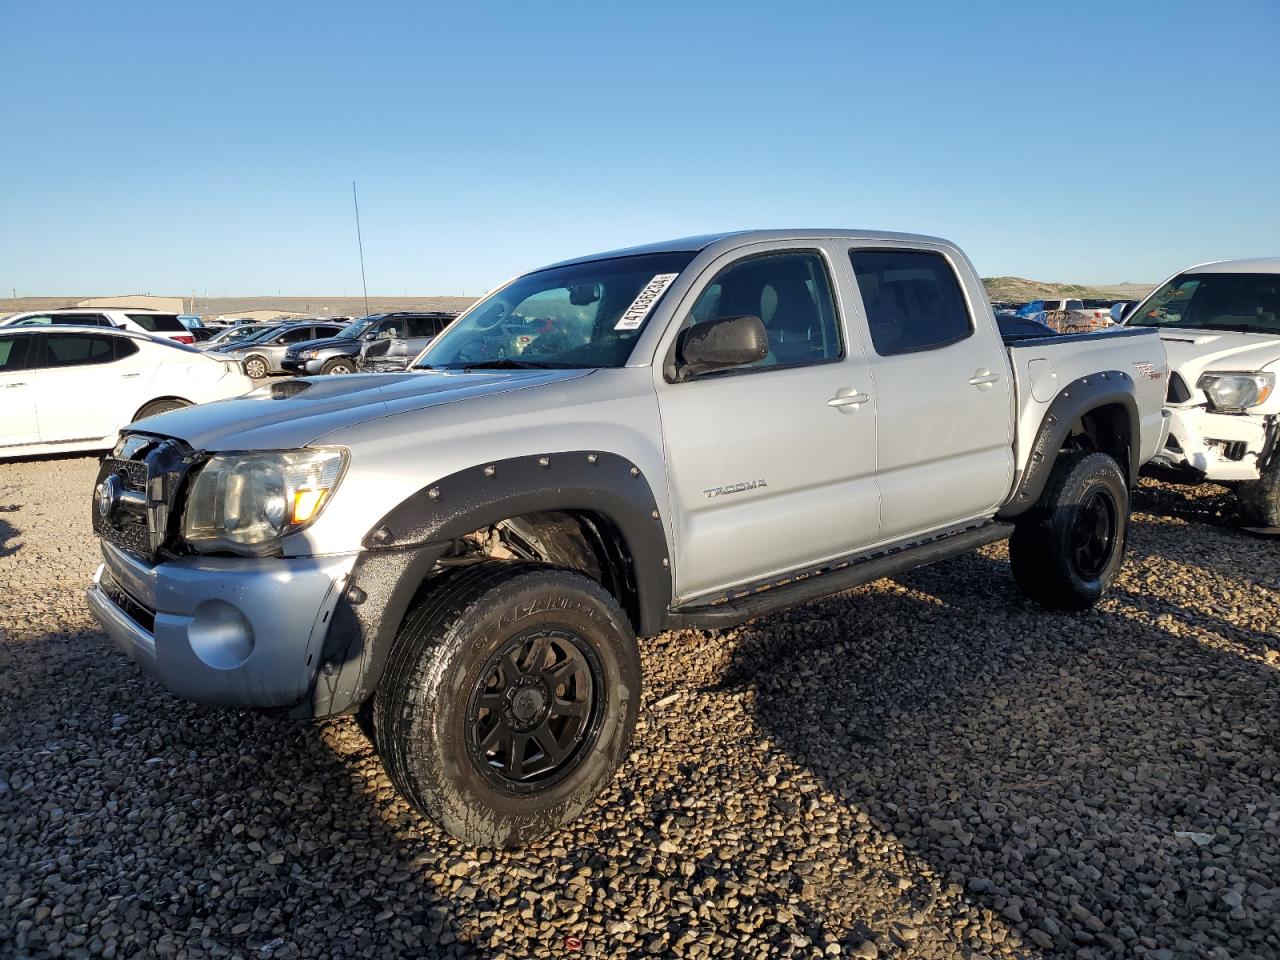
(1233, 392)
(308, 354)
(246, 501)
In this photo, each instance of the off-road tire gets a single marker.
(423, 710)
(1056, 562)
(161, 406)
(256, 367)
(1260, 499)
(339, 366)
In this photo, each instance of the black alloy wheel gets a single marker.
(1093, 533)
(535, 712)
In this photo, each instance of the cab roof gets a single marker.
(1255, 265)
(735, 238)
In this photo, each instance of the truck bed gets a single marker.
(1043, 366)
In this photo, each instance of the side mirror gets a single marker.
(719, 345)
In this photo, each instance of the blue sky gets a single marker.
(169, 147)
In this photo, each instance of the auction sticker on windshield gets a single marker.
(635, 314)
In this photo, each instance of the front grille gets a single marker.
(136, 493)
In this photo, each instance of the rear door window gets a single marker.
(912, 298)
(13, 352)
(158, 322)
(295, 336)
(78, 349)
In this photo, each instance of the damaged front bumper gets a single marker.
(1218, 446)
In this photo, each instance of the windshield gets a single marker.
(356, 327)
(232, 334)
(1240, 302)
(577, 316)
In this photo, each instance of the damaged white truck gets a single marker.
(1220, 323)
(695, 433)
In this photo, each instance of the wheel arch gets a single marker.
(1095, 412)
(605, 496)
(183, 400)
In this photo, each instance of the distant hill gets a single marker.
(998, 288)
(1020, 290)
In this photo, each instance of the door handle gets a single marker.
(20, 383)
(983, 378)
(127, 376)
(847, 400)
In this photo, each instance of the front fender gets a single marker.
(402, 547)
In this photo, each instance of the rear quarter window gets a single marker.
(158, 322)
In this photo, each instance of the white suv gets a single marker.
(1220, 323)
(154, 323)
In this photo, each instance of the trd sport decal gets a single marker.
(728, 488)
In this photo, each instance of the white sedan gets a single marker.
(73, 388)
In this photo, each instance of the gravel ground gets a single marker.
(924, 767)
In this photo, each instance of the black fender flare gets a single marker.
(1075, 400)
(401, 549)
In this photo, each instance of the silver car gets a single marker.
(262, 355)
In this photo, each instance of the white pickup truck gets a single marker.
(1220, 323)
(714, 428)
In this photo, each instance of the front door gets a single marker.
(771, 466)
(944, 400)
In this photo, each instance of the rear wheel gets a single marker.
(341, 365)
(509, 700)
(1261, 498)
(256, 367)
(1068, 549)
(160, 406)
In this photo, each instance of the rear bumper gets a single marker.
(222, 630)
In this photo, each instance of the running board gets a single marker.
(832, 578)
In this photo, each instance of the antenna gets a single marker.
(360, 242)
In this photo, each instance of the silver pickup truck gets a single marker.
(702, 432)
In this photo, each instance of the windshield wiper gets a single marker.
(505, 363)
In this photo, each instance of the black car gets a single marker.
(341, 353)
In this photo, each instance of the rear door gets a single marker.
(419, 332)
(771, 466)
(943, 393)
(18, 423)
(81, 388)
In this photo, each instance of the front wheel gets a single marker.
(340, 366)
(256, 368)
(1261, 498)
(1068, 549)
(509, 700)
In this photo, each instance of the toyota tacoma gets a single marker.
(703, 432)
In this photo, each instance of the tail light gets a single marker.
(185, 339)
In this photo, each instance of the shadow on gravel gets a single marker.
(140, 823)
(1045, 763)
(9, 542)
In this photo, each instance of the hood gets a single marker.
(293, 413)
(323, 342)
(1192, 352)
